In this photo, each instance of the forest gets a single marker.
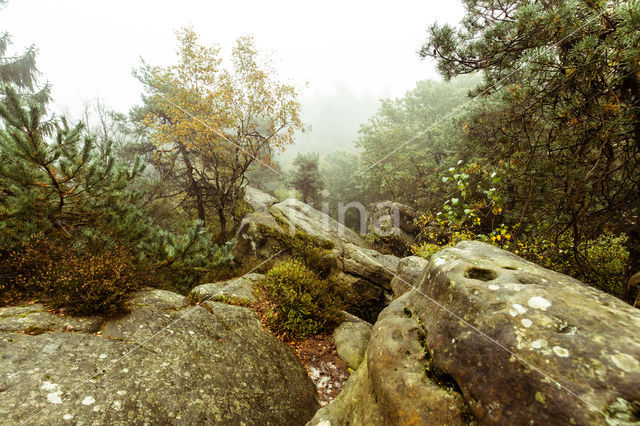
(529, 142)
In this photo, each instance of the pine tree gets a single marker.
(558, 113)
(306, 178)
(20, 71)
(54, 181)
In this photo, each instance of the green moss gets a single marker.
(314, 253)
(230, 300)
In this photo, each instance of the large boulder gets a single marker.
(505, 342)
(351, 339)
(393, 218)
(410, 271)
(290, 217)
(351, 262)
(370, 265)
(35, 319)
(258, 200)
(163, 363)
(392, 385)
(321, 226)
(544, 347)
(239, 290)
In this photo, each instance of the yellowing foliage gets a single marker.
(215, 120)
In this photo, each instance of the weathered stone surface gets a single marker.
(315, 223)
(391, 386)
(410, 272)
(634, 283)
(367, 293)
(366, 272)
(390, 217)
(370, 265)
(36, 319)
(164, 363)
(528, 345)
(159, 299)
(488, 337)
(258, 200)
(240, 289)
(351, 339)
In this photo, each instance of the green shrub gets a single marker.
(606, 260)
(76, 280)
(315, 254)
(303, 304)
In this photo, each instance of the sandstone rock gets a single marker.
(528, 345)
(351, 339)
(388, 217)
(634, 283)
(368, 297)
(410, 272)
(355, 406)
(366, 272)
(488, 337)
(370, 265)
(391, 386)
(159, 299)
(315, 223)
(258, 200)
(164, 363)
(36, 319)
(239, 290)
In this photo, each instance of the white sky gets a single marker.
(87, 48)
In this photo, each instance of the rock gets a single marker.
(393, 218)
(258, 200)
(164, 363)
(355, 406)
(634, 283)
(257, 230)
(410, 272)
(345, 254)
(238, 290)
(391, 386)
(36, 319)
(526, 344)
(488, 337)
(351, 339)
(367, 299)
(370, 265)
(315, 223)
(159, 299)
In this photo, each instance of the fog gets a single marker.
(343, 56)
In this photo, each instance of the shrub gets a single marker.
(315, 254)
(303, 304)
(606, 260)
(476, 214)
(76, 280)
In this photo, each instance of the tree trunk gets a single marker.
(195, 188)
(222, 238)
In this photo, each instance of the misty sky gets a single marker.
(87, 48)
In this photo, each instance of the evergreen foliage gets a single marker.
(306, 177)
(557, 114)
(409, 140)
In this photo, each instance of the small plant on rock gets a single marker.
(302, 303)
